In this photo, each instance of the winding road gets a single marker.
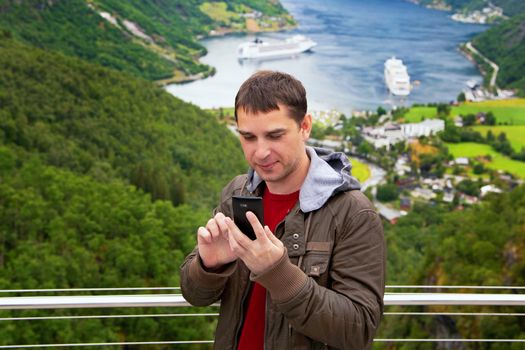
(492, 64)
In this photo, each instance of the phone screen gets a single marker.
(240, 206)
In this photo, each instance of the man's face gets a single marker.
(274, 146)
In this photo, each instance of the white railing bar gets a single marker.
(40, 318)
(182, 342)
(503, 314)
(93, 301)
(84, 289)
(177, 300)
(452, 287)
(453, 299)
(453, 340)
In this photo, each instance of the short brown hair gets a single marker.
(265, 90)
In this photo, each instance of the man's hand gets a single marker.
(260, 254)
(212, 240)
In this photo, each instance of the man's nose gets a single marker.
(263, 150)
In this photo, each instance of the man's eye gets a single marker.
(248, 137)
(275, 136)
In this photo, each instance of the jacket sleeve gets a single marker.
(347, 315)
(199, 286)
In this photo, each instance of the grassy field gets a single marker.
(515, 134)
(218, 12)
(499, 161)
(417, 114)
(511, 112)
(360, 170)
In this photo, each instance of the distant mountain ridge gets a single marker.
(150, 39)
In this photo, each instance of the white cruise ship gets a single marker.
(396, 77)
(259, 49)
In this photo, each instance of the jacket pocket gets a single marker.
(316, 261)
(299, 341)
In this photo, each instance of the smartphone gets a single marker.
(240, 206)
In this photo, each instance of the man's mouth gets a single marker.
(266, 166)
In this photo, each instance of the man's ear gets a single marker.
(306, 126)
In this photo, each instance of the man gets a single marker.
(314, 276)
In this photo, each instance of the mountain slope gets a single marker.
(96, 121)
(95, 166)
(74, 29)
(483, 245)
(505, 45)
(59, 229)
(150, 39)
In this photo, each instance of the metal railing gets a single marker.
(513, 299)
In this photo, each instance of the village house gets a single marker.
(425, 128)
(423, 193)
(390, 134)
(489, 189)
(448, 197)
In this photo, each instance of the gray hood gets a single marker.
(329, 173)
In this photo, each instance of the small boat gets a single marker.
(396, 77)
(259, 49)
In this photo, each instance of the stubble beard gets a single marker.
(282, 175)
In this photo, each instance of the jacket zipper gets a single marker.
(265, 319)
(246, 292)
(266, 301)
(241, 318)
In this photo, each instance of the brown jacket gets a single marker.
(325, 293)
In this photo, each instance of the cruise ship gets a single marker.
(396, 77)
(259, 49)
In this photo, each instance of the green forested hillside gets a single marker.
(99, 122)
(72, 28)
(104, 179)
(59, 229)
(166, 45)
(505, 45)
(483, 245)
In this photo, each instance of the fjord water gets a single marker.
(345, 69)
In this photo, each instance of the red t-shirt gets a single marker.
(276, 207)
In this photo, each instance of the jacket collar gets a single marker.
(328, 174)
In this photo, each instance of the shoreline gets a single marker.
(252, 28)
(439, 6)
(488, 15)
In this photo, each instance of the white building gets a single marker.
(390, 134)
(401, 167)
(461, 161)
(489, 189)
(448, 197)
(384, 136)
(424, 193)
(425, 128)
